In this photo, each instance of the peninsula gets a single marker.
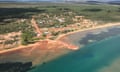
(37, 32)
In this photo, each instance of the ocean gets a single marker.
(101, 56)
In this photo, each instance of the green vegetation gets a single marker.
(9, 15)
(15, 67)
(14, 27)
(49, 15)
(55, 33)
(100, 13)
(27, 37)
(10, 41)
(105, 13)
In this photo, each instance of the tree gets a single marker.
(27, 37)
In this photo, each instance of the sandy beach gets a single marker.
(45, 50)
(96, 27)
(58, 40)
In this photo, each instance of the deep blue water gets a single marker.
(97, 57)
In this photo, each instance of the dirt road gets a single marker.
(35, 25)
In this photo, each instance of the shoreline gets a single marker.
(69, 46)
(96, 27)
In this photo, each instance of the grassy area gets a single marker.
(104, 13)
(107, 13)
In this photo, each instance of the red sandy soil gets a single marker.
(39, 52)
(51, 44)
(42, 49)
(44, 44)
(35, 25)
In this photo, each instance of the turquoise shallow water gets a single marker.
(96, 57)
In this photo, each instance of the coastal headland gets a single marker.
(51, 41)
(58, 41)
(45, 50)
